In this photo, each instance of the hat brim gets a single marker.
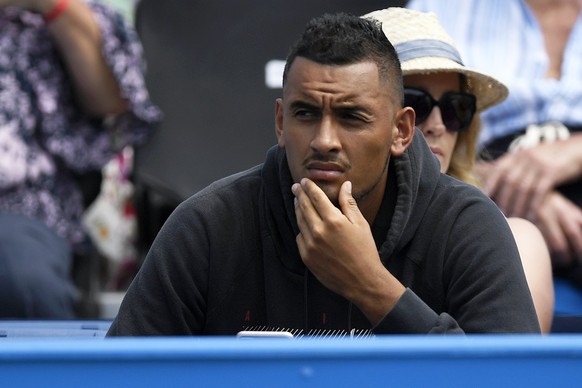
(424, 47)
(487, 89)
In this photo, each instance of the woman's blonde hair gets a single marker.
(462, 164)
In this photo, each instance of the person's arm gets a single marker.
(77, 98)
(78, 39)
(560, 221)
(486, 287)
(338, 248)
(537, 265)
(519, 181)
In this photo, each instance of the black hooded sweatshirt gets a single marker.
(226, 260)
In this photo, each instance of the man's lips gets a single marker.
(318, 171)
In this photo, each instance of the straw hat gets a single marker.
(424, 47)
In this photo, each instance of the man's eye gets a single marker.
(304, 113)
(352, 117)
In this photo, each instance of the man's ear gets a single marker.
(279, 122)
(404, 122)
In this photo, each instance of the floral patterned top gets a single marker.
(45, 138)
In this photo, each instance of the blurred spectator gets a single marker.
(72, 95)
(533, 138)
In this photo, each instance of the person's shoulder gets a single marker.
(462, 195)
(451, 183)
(251, 177)
(233, 187)
(234, 198)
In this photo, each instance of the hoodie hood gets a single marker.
(412, 200)
(413, 194)
(280, 209)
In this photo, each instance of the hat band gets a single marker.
(421, 48)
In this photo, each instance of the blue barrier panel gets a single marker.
(395, 361)
(54, 328)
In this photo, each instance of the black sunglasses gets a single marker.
(457, 108)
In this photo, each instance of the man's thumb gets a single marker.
(348, 204)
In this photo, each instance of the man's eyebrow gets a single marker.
(302, 105)
(348, 106)
(353, 109)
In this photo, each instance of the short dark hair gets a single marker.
(345, 39)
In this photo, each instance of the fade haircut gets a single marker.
(343, 39)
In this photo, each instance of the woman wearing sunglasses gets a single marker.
(446, 96)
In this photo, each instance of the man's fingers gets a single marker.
(303, 207)
(320, 203)
(550, 224)
(523, 195)
(571, 224)
(349, 206)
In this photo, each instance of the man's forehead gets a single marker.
(356, 78)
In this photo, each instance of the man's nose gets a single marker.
(326, 138)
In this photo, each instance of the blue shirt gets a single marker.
(503, 39)
(44, 136)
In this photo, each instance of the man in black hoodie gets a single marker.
(348, 226)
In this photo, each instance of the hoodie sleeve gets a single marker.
(463, 272)
(411, 315)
